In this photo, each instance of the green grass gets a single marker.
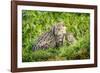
(34, 23)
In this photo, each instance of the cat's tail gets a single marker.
(34, 47)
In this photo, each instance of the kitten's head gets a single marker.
(59, 29)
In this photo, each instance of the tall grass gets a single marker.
(34, 23)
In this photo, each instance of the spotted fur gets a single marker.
(51, 39)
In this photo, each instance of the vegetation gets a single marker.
(34, 23)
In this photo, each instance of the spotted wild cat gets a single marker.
(51, 39)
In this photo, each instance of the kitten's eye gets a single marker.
(58, 28)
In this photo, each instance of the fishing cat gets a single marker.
(54, 38)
